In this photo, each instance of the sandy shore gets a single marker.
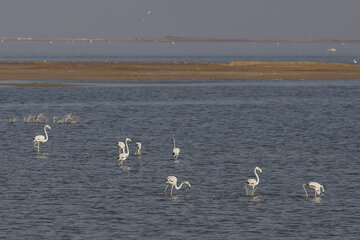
(75, 71)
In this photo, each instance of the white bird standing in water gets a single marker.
(252, 182)
(41, 138)
(121, 147)
(172, 181)
(176, 151)
(124, 155)
(354, 60)
(138, 148)
(314, 185)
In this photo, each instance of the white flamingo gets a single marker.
(172, 181)
(176, 151)
(138, 148)
(41, 138)
(121, 147)
(124, 155)
(252, 182)
(314, 185)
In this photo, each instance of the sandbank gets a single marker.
(145, 71)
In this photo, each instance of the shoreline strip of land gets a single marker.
(170, 71)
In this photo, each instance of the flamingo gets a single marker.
(121, 147)
(41, 138)
(314, 185)
(252, 182)
(176, 151)
(172, 180)
(138, 148)
(124, 155)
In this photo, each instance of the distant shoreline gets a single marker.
(172, 39)
(172, 71)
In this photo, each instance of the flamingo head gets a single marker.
(47, 126)
(322, 188)
(128, 140)
(187, 183)
(259, 169)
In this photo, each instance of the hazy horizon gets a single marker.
(256, 19)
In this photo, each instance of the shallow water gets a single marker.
(180, 52)
(296, 131)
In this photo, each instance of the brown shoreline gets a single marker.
(77, 71)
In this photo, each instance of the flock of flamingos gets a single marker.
(172, 180)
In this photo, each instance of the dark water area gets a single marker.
(296, 131)
(179, 51)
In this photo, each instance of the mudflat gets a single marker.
(77, 71)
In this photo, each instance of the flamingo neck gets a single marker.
(257, 177)
(127, 147)
(178, 187)
(46, 135)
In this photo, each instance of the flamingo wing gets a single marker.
(251, 182)
(39, 138)
(176, 151)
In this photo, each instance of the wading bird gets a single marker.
(124, 155)
(121, 147)
(314, 185)
(176, 151)
(41, 138)
(138, 148)
(252, 182)
(172, 181)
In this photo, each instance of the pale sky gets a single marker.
(280, 19)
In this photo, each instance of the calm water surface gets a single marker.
(296, 131)
(179, 52)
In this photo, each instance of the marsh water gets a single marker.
(296, 131)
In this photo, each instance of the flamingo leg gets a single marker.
(306, 194)
(172, 187)
(315, 193)
(253, 190)
(166, 187)
(120, 163)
